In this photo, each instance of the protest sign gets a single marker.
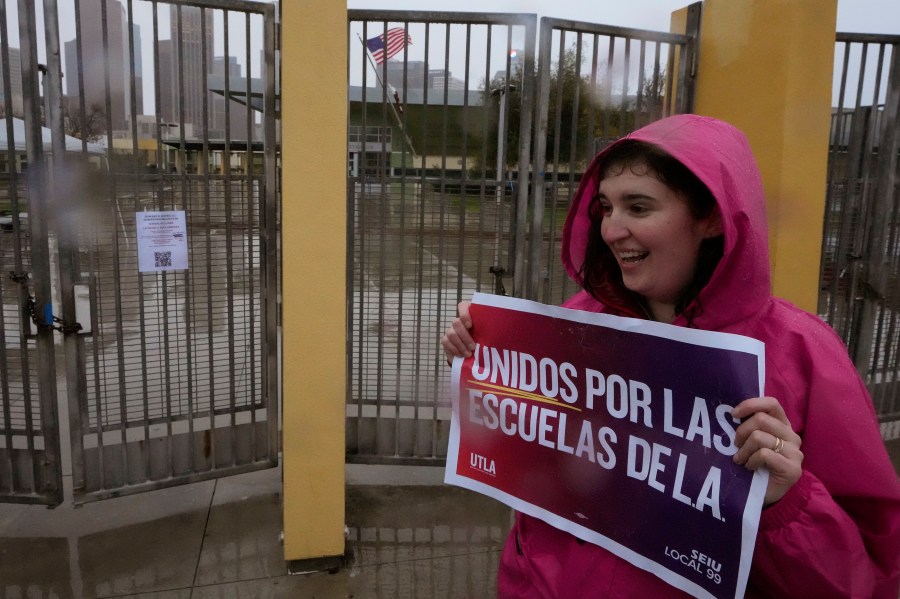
(616, 430)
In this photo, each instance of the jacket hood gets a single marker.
(720, 156)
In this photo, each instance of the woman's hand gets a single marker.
(765, 438)
(457, 341)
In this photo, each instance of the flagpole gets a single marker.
(391, 101)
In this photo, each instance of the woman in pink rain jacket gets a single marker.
(669, 223)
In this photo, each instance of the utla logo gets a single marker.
(482, 464)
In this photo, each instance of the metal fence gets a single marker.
(860, 273)
(443, 186)
(169, 373)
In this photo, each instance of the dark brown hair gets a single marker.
(600, 272)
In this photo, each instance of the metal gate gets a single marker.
(433, 199)
(443, 185)
(166, 363)
(601, 83)
(860, 276)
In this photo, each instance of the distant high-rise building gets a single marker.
(237, 113)
(15, 84)
(96, 62)
(166, 92)
(138, 69)
(416, 76)
(192, 51)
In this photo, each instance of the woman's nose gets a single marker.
(612, 229)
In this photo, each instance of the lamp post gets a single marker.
(500, 91)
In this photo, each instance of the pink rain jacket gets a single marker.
(836, 533)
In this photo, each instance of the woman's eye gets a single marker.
(637, 209)
(606, 209)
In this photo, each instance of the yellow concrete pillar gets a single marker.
(314, 224)
(766, 67)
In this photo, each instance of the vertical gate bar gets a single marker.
(572, 167)
(687, 76)
(550, 203)
(879, 343)
(441, 257)
(117, 266)
(463, 189)
(657, 101)
(485, 114)
(100, 390)
(229, 241)
(162, 165)
(382, 180)
(888, 400)
(200, 189)
(360, 237)
(837, 132)
(502, 169)
(229, 224)
(114, 196)
(181, 162)
(251, 232)
(269, 245)
(670, 103)
(67, 236)
(607, 106)
(526, 118)
(207, 201)
(401, 287)
(540, 160)
(210, 346)
(9, 463)
(576, 105)
(856, 187)
(132, 94)
(421, 257)
(870, 159)
(38, 235)
(626, 67)
(48, 467)
(592, 105)
(349, 272)
(855, 305)
(639, 104)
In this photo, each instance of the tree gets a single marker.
(91, 126)
(579, 111)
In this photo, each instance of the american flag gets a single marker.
(396, 41)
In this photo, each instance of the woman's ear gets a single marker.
(714, 223)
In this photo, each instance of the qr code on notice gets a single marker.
(162, 259)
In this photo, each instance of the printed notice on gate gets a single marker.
(616, 430)
(161, 241)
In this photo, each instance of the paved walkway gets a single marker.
(408, 536)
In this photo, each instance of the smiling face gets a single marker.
(653, 235)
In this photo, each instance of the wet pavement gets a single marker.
(408, 535)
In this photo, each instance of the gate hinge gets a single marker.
(49, 320)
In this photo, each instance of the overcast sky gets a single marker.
(866, 16)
